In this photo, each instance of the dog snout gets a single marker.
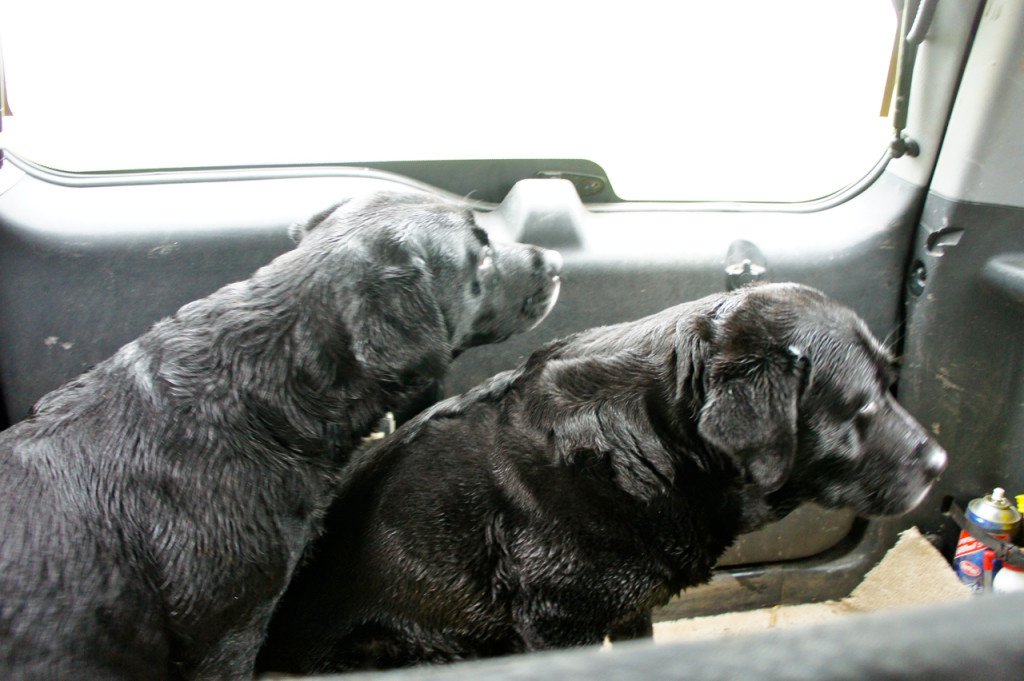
(933, 457)
(553, 262)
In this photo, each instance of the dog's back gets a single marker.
(74, 601)
(156, 506)
(560, 503)
(426, 547)
(411, 470)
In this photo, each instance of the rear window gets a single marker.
(747, 100)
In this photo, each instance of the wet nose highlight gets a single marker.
(552, 263)
(934, 457)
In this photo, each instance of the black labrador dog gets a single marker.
(557, 504)
(152, 510)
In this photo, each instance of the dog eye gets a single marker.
(486, 261)
(869, 409)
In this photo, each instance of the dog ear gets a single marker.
(300, 229)
(750, 414)
(596, 410)
(397, 325)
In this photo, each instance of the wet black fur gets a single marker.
(560, 502)
(152, 510)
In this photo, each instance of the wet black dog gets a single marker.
(152, 510)
(561, 502)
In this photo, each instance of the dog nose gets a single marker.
(934, 458)
(552, 263)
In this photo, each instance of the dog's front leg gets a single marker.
(637, 626)
(553, 623)
(233, 656)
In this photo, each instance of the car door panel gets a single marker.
(88, 265)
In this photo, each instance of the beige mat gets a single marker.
(913, 572)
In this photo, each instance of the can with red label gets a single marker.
(994, 513)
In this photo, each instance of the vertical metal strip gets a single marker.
(912, 34)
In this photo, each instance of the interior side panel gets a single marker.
(630, 264)
(964, 373)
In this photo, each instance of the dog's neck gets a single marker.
(317, 404)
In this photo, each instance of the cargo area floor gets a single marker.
(911, 573)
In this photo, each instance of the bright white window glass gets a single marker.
(684, 100)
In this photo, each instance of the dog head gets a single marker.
(798, 394)
(424, 269)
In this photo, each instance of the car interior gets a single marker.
(927, 246)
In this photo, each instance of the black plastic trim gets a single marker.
(979, 638)
(829, 575)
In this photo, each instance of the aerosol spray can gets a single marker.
(994, 513)
(1011, 577)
